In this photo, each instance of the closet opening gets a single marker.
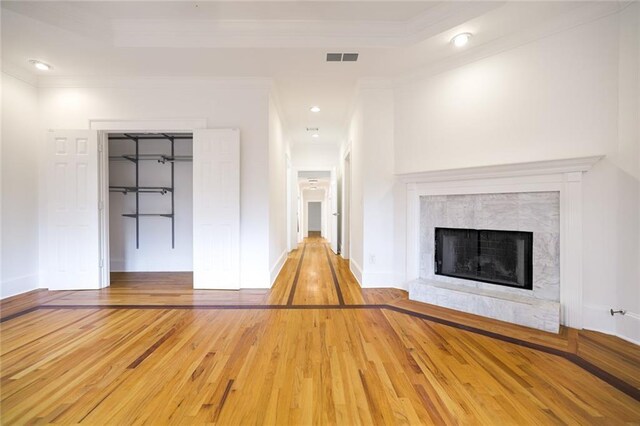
(150, 207)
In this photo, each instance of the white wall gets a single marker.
(312, 156)
(20, 137)
(626, 161)
(372, 191)
(277, 192)
(567, 95)
(242, 105)
(354, 147)
(377, 187)
(155, 252)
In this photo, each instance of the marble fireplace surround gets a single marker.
(523, 181)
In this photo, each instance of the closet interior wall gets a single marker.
(150, 202)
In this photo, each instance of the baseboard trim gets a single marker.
(356, 270)
(275, 270)
(19, 285)
(381, 280)
(120, 266)
(598, 318)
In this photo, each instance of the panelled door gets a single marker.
(72, 221)
(216, 209)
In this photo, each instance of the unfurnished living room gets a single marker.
(320, 212)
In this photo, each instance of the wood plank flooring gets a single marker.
(315, 349)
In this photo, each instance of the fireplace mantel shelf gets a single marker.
(567, 165)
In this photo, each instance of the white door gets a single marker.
(333, 212)
(73, 226)
(216, 209)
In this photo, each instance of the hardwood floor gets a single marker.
(315, 349)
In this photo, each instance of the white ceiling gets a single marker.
(259, 10)
(321, 183)
(284, 41)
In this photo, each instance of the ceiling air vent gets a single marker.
(342, 57)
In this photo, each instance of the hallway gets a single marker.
(315, 276)
(315, 349)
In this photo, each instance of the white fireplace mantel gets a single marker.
(564, 176)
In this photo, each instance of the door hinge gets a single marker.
(100, 147)
(102, 263)
(100, 205)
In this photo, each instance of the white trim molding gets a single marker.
(158, 125)
(564, 176)
(598, 318)
(277, 267)
(356, 270)
(19, 285)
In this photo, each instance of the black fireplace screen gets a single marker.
(497, 257)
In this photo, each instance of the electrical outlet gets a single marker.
(372, 259)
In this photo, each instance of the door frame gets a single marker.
(104, 127)
(345, 249)
(323, 225)
(300, 203)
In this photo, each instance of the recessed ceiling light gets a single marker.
(314, 109)
(315, 136)
(40, 65)
(461, 39)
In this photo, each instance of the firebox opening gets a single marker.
(496, 257)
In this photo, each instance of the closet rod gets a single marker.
(122, 138)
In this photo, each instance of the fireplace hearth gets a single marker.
(491, 256)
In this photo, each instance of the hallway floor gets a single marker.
(315, 349)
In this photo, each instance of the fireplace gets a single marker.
(491, 256)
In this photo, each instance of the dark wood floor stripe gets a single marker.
(19, 314)
(476, 330)
(215, 307)
(605, 376)
(336, 283)
(609, 378)
(296, 277)
(572, 357)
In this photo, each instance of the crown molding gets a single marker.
(444, 16)
(374, 83)
(575, 18)
(208, 33)
(19, 73)
(119, 82)
(547, 167)
(65, 16)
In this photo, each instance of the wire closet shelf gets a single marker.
(136, 189)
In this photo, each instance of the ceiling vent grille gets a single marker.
(342, 57)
